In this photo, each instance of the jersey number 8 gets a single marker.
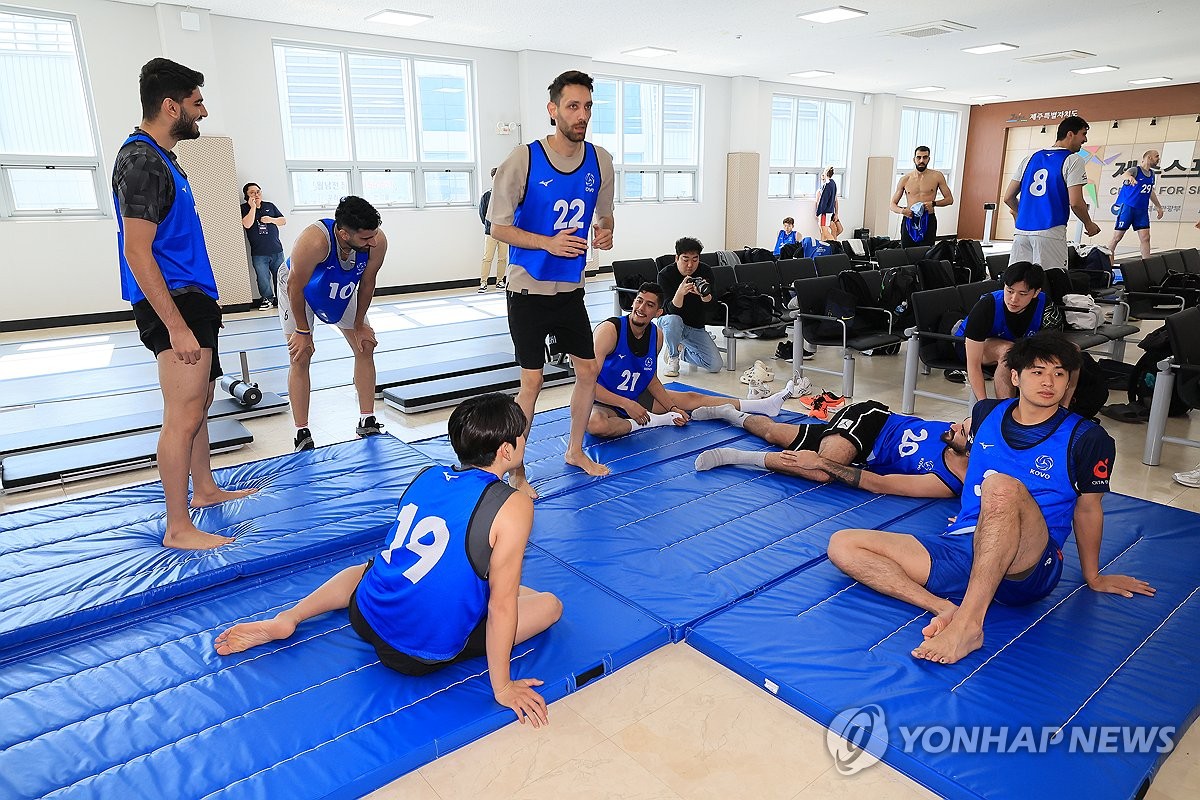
(417, 539)
(1037, 187)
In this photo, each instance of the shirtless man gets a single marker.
(920, 187)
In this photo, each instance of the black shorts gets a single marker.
(644, 400)
(201, 313)
(403, 663)
(533, 317)
(857, 423)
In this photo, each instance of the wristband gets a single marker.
(302, 333)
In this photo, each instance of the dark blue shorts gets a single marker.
(950, 570)
(1136, 218)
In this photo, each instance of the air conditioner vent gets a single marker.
(1050, 58)
(927, 29)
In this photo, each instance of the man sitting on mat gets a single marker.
(1036, 469)
(863, 445)
(629, 395)
(446, 586)
(331, 275)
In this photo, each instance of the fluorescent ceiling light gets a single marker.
(1094, 70)
(983, 50)
(406, 18)
(812, 73)
(987, 98)
(835, 14)
(648, 52)
(923, 89)
(1159, 79)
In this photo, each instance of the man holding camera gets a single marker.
(688, 287)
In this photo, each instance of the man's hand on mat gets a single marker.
(185, 346)
(524, 701)
(1122, 585)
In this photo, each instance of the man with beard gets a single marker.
(167, 276)
(863, 445)
(920, 188)
(331, 275)
(544, 198)
(1133, 203)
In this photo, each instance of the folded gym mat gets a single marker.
(152, 711)
(85, 562)
(1120, 677)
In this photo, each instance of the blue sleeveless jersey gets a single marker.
(912, 446)
(624, 373)
(1000, 320)
(421, 594)
(556, 201)
(1044, 468)
(178, 245)
(1137, 196)
(1044, 203)
(784, 238)
(330, 288)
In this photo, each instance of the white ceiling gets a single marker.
(765, 39)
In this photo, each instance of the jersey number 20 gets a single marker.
(576, 221)
(427, 538)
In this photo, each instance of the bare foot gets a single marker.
(518, 481)
(204, 499)
(245, 635)
(192, 538)
(939, 622)
(586, 464)
(953, 643)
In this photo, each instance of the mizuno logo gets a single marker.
(986, 445)
(449, 476)
(546, 183)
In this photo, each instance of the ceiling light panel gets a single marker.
(984, 49)
(405, 18)
(1062, 55)
(835, 14)
(648, 52)
(812, 73)
(1094, 70)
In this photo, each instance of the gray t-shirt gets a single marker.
(508, 190)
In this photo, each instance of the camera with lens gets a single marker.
(701, 285)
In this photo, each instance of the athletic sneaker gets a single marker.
(672, 370)
(369, 427)
(502, 284)
(304, 440)
(265, 305)
(755, 390)
(801, 386)
(1190, 478)
(814, 406)
(808, 355)
(482, 288)
(833, 401)
(784, 351)
(759, 372)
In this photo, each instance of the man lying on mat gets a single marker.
(447, 585)
(863, 445)
(1036, 469)
(629, 395)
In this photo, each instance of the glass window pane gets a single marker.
(41, 89)
(320, 188)
(312, 105)
(679, 186)
(640, 185)
(808, 134)
(837, 134)
(840, 179)
(379, 99)
(945, 145)
(804, 184)
(445, 128)
(926, 128)
(681, 113)
(908, 137)
(639, 123)
(602, 130)
(783, 110)
(388, 188)
(40, 189)
(779, 184)
(444, 188)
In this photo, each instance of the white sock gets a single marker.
(768, 406)
(658, 420)
(362, 418)
(724, 456)
(724, 411)
(301, 428)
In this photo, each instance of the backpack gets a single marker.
(748, 308)
(633, 282)
(856, 284)
(899, 283)
(789, 250)
(935, 274)
(815, 247)
(727, 258)
(1145, 373)
(754, 255)
(944, 250)
(970, 259)
(1087, 318)
(842, 305)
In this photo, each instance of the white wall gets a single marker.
(427, 245)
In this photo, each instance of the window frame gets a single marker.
(416, 167)
(659, 170)
(904, 164)
(840, 173)
(94, 163)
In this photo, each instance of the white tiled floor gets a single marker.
(675, 724)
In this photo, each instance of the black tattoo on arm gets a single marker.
(851, 476)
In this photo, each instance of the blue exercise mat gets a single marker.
(86, 562)
(1099, 667)
(152, 711)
